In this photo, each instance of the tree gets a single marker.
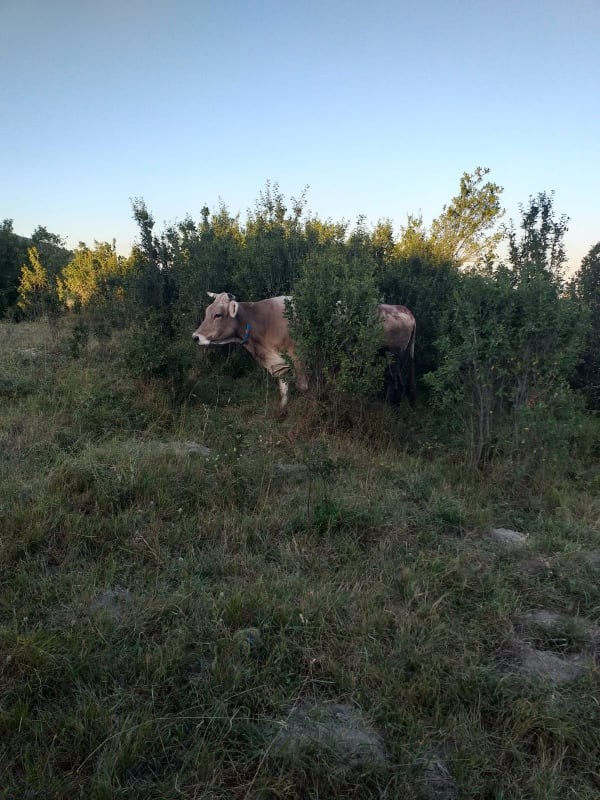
(275, 244)
(382, 242)
(12, 254)
(88, 275)
(42, 235)
(51, 249)
(586, 285)
(37, 290)
(426, 286)
(463, 233)
(512, 342)
(209, 256)
(540, 250)
(151, 284)
(415, 242)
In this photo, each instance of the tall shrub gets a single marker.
(426, 287)
(275, 244)
(37, 289)
(587, 290)
(334, 320)
(513, 339)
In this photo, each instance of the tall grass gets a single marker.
(165, 609)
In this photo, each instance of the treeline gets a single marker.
(49, 249)
(507, 348)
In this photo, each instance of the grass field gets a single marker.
(200, 600)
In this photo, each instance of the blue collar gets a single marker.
(246, 338)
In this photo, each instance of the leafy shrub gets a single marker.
(334, 320)
(79, 338)
(586, 286)
(426, 287)
(152, 351)
(512, 341)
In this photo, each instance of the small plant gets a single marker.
(321, 470)
(80, 336)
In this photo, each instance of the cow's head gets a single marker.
(220, 324)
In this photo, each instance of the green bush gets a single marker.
(334, 320)
(153, 352)
(586, 285)
(513, 339)
(426, 287)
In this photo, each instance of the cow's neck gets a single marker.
(245, 326)
(246, 337)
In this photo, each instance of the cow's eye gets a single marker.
(218, 315)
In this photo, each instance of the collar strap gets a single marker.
(246, 338)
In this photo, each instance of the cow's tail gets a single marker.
(412, 381)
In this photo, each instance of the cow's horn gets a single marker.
(212, 294)
(230, 296)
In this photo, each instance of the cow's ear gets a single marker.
(212, 294)
(233, 308)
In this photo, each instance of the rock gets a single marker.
(534, 566)
(155, 447)
(434, 781)
(294, 470)
(337, 730)
(551, 645)
(533, 663)
(30, 353)
(193, 447)
(113, 602)
(548, 621)
(180, 448)
(508, 539)
(593, 560)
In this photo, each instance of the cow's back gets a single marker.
(398, 325)
(269, 324)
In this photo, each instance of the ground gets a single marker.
(203, 600)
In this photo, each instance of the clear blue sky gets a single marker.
(378, 107)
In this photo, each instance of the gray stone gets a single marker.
(433, 780)
(508, 539)
(248, 640)
(593, 560)
(113, 602)
(533, 661)
(546, 620)
(556, 668)
(337, 730)
(179, 448)
(294, 470)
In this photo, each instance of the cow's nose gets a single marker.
(195, 337)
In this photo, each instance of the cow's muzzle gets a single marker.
(200, 338)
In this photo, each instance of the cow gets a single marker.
(262, 328)
(399, 330)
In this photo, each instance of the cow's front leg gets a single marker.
(283, 391)
(277, 368)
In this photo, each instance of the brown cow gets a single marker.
(399, 328)
(262, 328)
